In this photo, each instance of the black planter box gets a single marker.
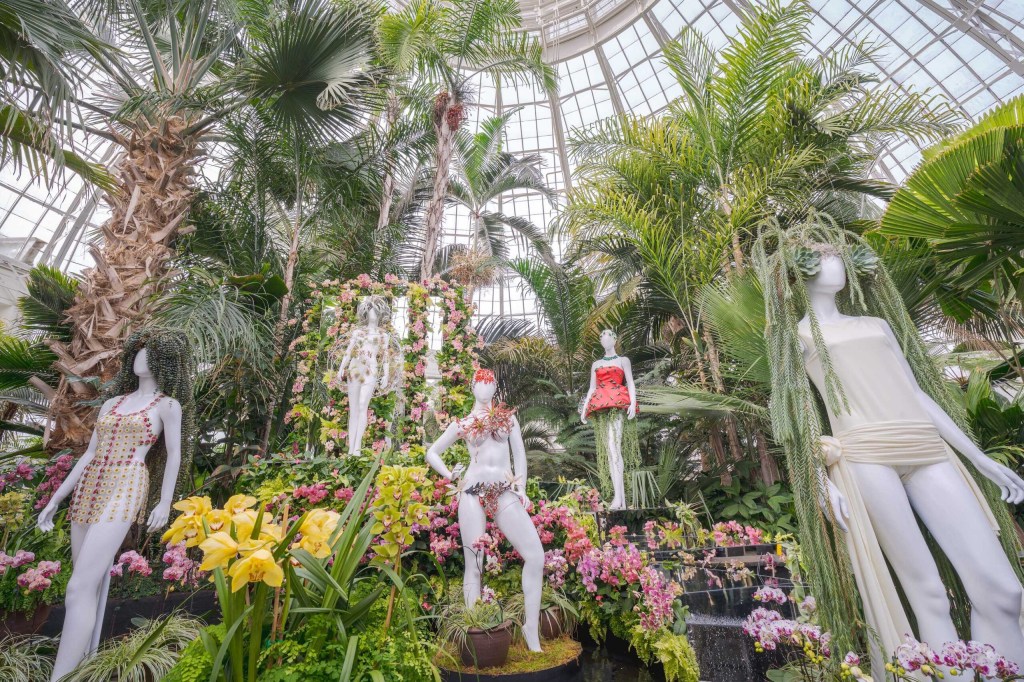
(117, 617)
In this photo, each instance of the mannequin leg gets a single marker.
(951, 512)
(359, 395)
(906, 550)
(616, 465)
(82, 599)
(516, 524)
(353, 415)
(472, 524)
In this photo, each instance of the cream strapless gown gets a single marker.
(883, 422)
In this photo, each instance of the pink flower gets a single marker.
(617, 535)
(769, 595)
(22, 557)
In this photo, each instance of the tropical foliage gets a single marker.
(276, 161)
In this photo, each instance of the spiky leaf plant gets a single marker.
(26, 659)
(147, 653)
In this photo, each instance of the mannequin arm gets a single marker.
(445, 441)
(1010, 484)
(171, 415)
(385, 375)
(627, 368)
(347, 357)
(45, 521)
(590, 392)
(518, 461)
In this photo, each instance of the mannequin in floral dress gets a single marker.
(493, 487)
(610, 402)
(372, 363)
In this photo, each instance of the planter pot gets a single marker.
(487, 648)
(552, 624)
(24, 623)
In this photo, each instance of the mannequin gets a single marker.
(924, 477)
(110, 486)
(612, 396)
(372, 362)
(490, 488)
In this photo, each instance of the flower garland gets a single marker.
(319, 412)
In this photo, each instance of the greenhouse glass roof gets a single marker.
(609, 59)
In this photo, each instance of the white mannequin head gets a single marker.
(608, 339)
(373, 310)
(831, 278)
(484, 385)
(141, 364)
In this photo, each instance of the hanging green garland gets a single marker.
(604, 422)
(783, 258)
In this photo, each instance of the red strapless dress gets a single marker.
(611, 392)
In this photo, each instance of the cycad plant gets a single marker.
(179, 70)
(450, 43)
(28, 379)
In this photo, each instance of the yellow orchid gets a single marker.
(321, 521)
(237, 504)
(244, 523)
(218, 520)
(194, 506)
(218, 550)
(259, 566)
(187, 528)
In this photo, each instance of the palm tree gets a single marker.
(665, 206)
(962, 212)
(483, 173)
(39, 43)
(186, 66)
(451, 42)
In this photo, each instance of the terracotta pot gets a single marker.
(22, 623)
(551, 624)
(487, 648)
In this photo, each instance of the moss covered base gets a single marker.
(559, 659)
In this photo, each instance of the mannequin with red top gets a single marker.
(610, 400)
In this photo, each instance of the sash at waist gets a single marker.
(893, 443)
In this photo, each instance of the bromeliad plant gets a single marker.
(266, 563)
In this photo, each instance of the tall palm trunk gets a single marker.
(447, 119)
(388, 183)
(154, 177)
(281, 328)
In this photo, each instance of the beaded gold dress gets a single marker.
(115, 485)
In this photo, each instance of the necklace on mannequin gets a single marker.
(609, 358)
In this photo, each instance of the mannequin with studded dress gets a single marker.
(110, 489)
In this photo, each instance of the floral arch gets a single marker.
(319, 413)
